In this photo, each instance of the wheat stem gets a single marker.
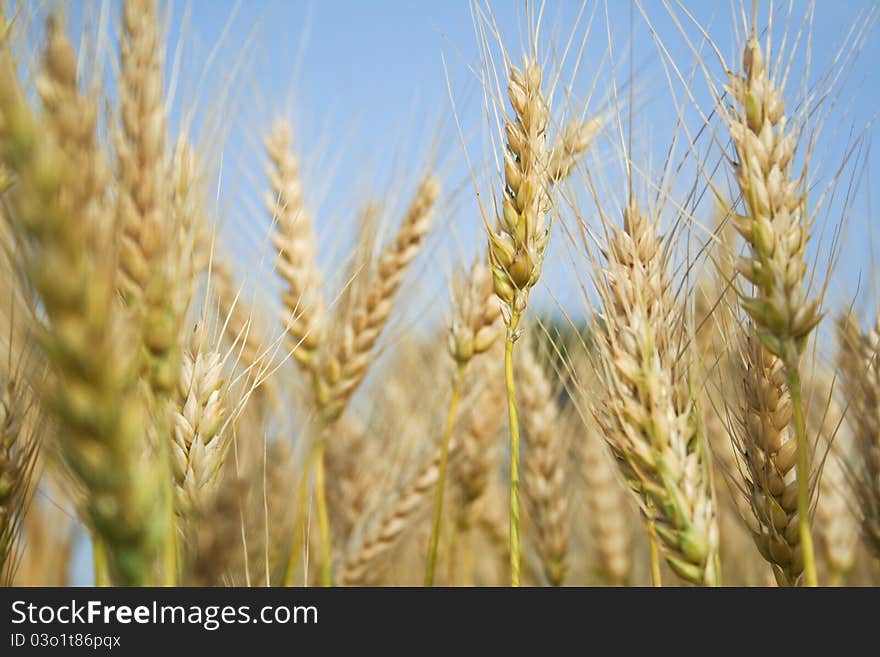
(99, 561)
(323, 517)
(514, 452)
(301, 510)
(655, 556)
(441, 480)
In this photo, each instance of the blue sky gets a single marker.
(365, 84)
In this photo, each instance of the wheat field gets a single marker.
(569, 341)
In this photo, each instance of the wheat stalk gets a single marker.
(648, 413)
(776, 229)
(473, 330)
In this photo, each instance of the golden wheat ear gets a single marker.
(648, 412)
(775, 227)
(19, 434)
(363, 560)
(836, 516)
(768, 446)
(93, 389)
(544, 476)
(297, 248)
(859, 365)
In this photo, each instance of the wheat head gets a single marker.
(648, 414)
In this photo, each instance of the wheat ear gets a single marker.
(607, 521)
(544, 465)
(769, 454)
(649, 415)
(383, 535)
(94, 389)
(479, 429)
(153, 281)
(473, 330)
(347, 366)
(297, 249)
(18, 451)
(200, 441)
(348, 457)
(837, 528)
(570, 146)
(190, 253)
(859, 362)
(776, 229)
